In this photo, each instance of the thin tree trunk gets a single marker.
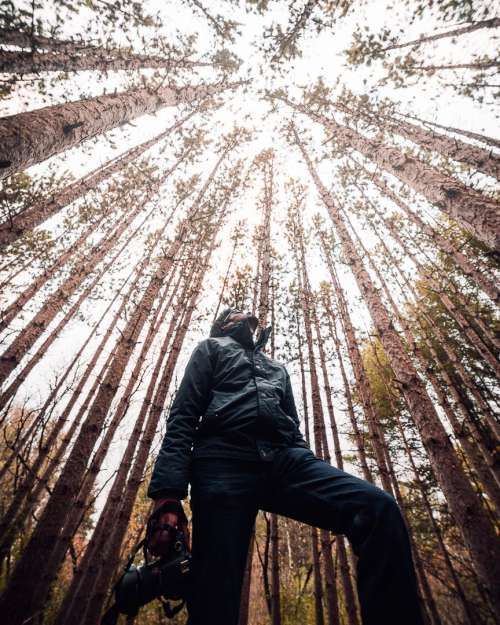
(493, 22)
(328, 312)
(347, 585)
(470, 518)
(360, 374)
(320, 440)
(318, 584)
(458, 131)
(473, 210)
(32, 137)
(479, 65)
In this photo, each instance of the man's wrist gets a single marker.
(168, 494)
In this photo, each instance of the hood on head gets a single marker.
(240, 331)
(216, 330)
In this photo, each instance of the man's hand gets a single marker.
(160, 541)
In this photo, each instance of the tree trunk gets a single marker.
(98, 59)
(470, 518)
(473, 210)
(320, 440)
(362, 381)
(493, 22)
(495, 143)
(433, 68)
(441, 242)
(15, 227)
(347, 585)
(328, 312)
(32, 137)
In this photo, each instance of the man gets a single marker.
(247, 453)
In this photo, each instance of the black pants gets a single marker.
(225, 497)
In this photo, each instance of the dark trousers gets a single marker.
(225, 497)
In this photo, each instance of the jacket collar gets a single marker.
(241, 332)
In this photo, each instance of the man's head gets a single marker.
(230, 317)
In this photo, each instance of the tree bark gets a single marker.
(14, 228)
(97, 59)
(493, 22)
(32, 137)
(495, 143)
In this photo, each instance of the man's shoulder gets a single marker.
(274, 362)
(213, 343)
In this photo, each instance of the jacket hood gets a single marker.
(240, 332)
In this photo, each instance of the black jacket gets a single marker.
(233, 401)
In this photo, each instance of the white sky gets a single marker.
(322, 57)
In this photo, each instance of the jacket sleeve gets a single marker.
(288, 405)
(170, 475)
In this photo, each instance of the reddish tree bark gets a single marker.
(29, 138)
(96, 59)
(13, 229)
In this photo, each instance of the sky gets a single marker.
(322, 57)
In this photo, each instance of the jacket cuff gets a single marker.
(168, 492)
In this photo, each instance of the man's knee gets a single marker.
(379, 508)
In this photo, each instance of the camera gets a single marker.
(165, 578)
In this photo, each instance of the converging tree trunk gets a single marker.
(471, 519)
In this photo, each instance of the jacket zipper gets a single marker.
(255, 382)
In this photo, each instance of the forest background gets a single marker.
(331, 166)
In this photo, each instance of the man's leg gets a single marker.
(223, 503)
(305, 488)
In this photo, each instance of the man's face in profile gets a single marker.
(235, 316)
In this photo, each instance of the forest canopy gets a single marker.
(331, 167)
